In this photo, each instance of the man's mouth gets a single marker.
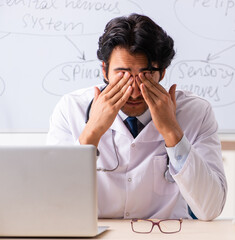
(134, 103)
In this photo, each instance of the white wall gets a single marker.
(22, 139)
(229, 167)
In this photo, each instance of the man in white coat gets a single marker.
(165, 164)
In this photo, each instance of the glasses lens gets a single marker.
(170, 226)
(142, 226)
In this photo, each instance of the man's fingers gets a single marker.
(146, 95)
(122, 100)
(117, 93)
(172, 93)
(151, 84)
(122, 91)
(96, 93)
(117, 83)
(116, 79)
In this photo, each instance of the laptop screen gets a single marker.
(48, 191)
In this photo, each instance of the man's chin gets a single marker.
(132, 112)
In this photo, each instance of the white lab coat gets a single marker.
(138, 189)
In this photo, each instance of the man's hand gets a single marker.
(162, 106)
(105, 107)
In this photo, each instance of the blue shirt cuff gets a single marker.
(178, 154)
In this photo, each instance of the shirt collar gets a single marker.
(145, 118)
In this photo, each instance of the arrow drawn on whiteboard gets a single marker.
(5, 35)
(81, 53)
(212, 57)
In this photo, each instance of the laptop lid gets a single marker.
(48, 191)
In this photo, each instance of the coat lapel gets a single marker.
(148, 134)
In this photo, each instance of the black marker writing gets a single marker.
(210, 92)
(112, 7)
(189, 70)
(212, 81)
(50, 24)
(79, 72)
(224, 6)
(34, 4)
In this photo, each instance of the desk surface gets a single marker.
(191, 229)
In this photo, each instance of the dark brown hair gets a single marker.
(138, 34)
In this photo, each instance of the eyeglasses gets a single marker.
(165, 226)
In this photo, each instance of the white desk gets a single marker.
(191, 230)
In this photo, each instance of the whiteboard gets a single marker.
(48, 48)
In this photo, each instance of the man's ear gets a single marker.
(162, 74)
(104, 71)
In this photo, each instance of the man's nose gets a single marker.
(136, 90)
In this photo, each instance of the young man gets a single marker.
(169, 159)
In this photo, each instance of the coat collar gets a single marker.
(148, 134)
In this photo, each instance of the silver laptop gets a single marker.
(48, 191)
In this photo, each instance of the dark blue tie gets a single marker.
(132, 122)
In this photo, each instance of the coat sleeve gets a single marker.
(202, 180)
(60, 132)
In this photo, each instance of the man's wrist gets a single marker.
(173, 138)
(89, 136)
(179, 153)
